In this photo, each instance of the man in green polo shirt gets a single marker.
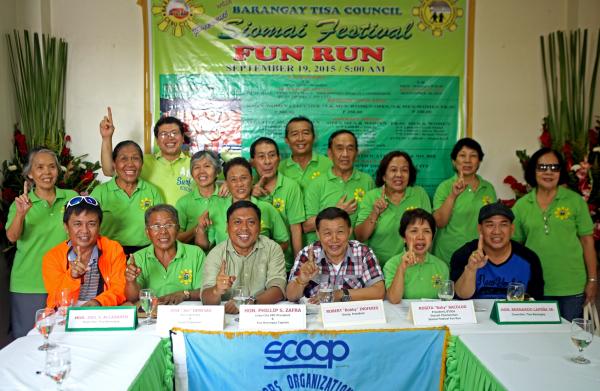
(168, 169)
(173, 270)
(342, 186)
(280, 191)
(304, 166)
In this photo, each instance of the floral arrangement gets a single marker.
(75, 172)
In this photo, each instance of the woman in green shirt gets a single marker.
(457, 200)
(382, 208)
(125, 198)
(414, 273)
(35, 224)
(555, 222)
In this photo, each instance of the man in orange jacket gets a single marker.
(90, 268)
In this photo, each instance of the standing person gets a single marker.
(280, 191)
(89, 266)
(380, 212)
(125, 198)
(168, 169)
(195, 207)
(457, 200)
(342, 186)
(304, 165)
(555, 222)
(34, 224)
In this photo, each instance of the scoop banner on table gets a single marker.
(401, 359)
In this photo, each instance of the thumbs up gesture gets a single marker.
(132, 271)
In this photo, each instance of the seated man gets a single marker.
(91, 267)
(482, 269)
(173, 270)
(246, 259)
(348, 266)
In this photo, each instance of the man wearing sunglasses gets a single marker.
(90, 267)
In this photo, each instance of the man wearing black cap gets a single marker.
(483, 268)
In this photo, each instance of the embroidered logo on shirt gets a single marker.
(315, 175)
(279, 204)
(486, 200)
(359, 194)
(410, 208)
(436, 280)
(562, 213)
(185, 276)
(145, 203)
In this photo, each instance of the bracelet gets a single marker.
(592, 279)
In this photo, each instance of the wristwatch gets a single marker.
(346, 295)
(187, 294)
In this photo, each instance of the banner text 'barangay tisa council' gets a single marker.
(393, 72)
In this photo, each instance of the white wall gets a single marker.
(7, 108)
(106, 68)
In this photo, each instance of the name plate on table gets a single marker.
(101, 318)
(352, 313)
(523, 312)
(264, 317)
(441, 313)
(192, 317)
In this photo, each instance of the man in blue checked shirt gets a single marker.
(347, 267)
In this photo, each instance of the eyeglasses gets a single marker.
(160, 227)
(545, 167)
(171, 134)
(79, 199)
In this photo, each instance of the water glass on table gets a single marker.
(44, 322)
(515, 291)
(146, 302)
(446, 290)
(64, 301)
(582, 332)
(325, 290)
(58, 364)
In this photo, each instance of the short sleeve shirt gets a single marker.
(183, 273)
(318, 165)
(385, 239)
(462, 225)
(420, 280)
(192, 205)
(42, 230)
(122, 215)
(554, 235)
(359, 269)
(258, 271)
(172, 178)
(328, 189)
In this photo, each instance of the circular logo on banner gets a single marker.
(437, 16)
(177, 15)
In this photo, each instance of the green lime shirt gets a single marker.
(271, 223)
(123, 216)
(288, 200)
(317, 166)
(420, 280)
(192, 205)
(172, 179)
(385, 240)
(462, 225)
(328, 189)
(42, 230)
(554, 236)
(183, 273)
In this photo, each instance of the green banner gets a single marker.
(393, 72)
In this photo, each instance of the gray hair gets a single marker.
(212, 157)
(161, 208)
(32, 154)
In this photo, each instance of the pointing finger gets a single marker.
(110, 114)
(480, 244)
(383, 192)
(26, 187)
(223, 267)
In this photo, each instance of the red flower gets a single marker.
(593, 138)
(67, 139)
(9, 194)
(567, 151)
(592, 209)
(510, 180)
(546, 138)
(87, 176)
(65, 152)
(21, 143)
(509, 203)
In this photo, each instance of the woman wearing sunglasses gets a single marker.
(555, 222)
(126, 197)
(34, 224)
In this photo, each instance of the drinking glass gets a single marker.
(515, 291)
(64, 301)
(44, 323)
(241, 295)
(446, 290)
(58, 364)
(325, 290)
(582, 331)
(146, 299)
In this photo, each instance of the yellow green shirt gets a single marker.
(172, 178)
(317, 166)
(420, 280)
(192, 205)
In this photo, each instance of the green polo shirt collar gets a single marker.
(408, 192)
(257, 245)
(60, 194)
(112, 185)
(180, 254)
(158, 155)
(198, 196)
(290, 162)
(356, 175)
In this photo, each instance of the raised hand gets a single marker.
(132, 271)
(22, 202)
(459, 185)
(107, 127)
(409, 258)
(224, 191)
(204, 221)
(258, 190)
(308, 269)
(224, 281)
(478, 259)
(348, 206)
(79, 267)
(380, 204)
